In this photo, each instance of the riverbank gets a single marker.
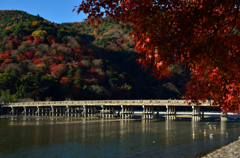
(231, 150)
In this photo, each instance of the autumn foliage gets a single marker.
(201, 34)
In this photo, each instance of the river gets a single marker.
(95, 137)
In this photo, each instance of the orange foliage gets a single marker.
(58, 70)
(64, 80)
(53, 65)
(7, 27)
(6, 62)
(36, 60)
(20, 57)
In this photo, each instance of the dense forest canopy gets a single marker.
(43, 60)
(202, 34)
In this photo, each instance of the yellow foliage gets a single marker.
(100, 37)
(35, 23)
(40, 67)
(55, 25)
(39, 33)
(49, 38)
(48, 98)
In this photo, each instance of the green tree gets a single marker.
(6, 96)
(70, 74)
(79, 78)
(27, 83)
(50, 87)
(4, 44)
(8, 79)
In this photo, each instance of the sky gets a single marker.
(57, 11)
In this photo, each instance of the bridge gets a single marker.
(103, 108)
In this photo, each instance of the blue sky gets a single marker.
(57, 11)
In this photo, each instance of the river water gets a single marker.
(95, 137)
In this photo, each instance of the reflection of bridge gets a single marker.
(104, 108)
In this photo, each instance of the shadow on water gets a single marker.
(94, 137)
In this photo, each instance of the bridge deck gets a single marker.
(105, 103)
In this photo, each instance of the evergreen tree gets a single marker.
(70, 74)
(79, 78)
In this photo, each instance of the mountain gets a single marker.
(43, 60)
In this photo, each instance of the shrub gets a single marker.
(86, 63)
(22, 48)
(99, 90)
(39, 54)
(43, 47)
(31, 67)
(97, 62)
(31, 49)
(71, 41)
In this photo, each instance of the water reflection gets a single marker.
(66, 137)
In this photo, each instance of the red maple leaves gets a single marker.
(203, 35)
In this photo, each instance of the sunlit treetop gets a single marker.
(202, 34)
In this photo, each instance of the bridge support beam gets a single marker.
(171, 112)
(147, 112)
(144, 112)
(196, 115)
(41, 111)
(52, 111)
(106, 111)
(12, 111)
(224, 116)
(84, 111)
(67, 111)
(37, 111)
(126, 112)
(24, 111)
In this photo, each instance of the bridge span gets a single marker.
(103, 108)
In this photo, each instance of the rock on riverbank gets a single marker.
(231, 150)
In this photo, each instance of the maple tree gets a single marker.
(201, 34)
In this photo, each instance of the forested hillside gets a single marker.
(43, 60)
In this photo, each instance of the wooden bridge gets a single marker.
(104, 108)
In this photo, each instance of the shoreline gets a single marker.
(230, 150)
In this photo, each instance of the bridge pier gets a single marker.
(66, 111)
(171, 112)
(126, 112)
(143, 113)
(12, 111)
(37, 112)
(24, 111)
(107, 112)
(147, 112)
(224, 116)
(52, 111)
(196, 115)
(84, 111)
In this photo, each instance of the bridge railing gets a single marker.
(103, 102)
